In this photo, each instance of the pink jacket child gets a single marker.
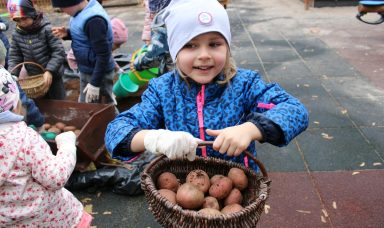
(32, 179)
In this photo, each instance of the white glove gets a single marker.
(92, 93)
(173, 144)
(66, 142)
(3, 27)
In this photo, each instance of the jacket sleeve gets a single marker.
(34, 115)
(145, 115)
(57, 51)
(49, 170)
(15, 56)
(96, 29)
(288, 113)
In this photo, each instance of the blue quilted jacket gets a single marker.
(170, 103)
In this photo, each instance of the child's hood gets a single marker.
(37, 27)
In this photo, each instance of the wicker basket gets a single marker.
(171, 215)
(33, 86)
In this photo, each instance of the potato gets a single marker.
(168, 194)
(60, 125)
(216, 177)
(54, 130)
(168, 180)
(238, 177)
(211, 202)
(234, 197)
(46, 126)
(69, 128)
(209, 211)
(200, 179)
(188, 196)
(221, 188)
(231, 208)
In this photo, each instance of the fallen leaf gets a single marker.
(362, 164)
(305, 212)
(334, 205)
(86, 200)
(88, 208)
(323, 219)
(266, 208)
(107, 213)
(326, 136)
(355, 173)
(344, 111)
(377, 163)
(325, 212)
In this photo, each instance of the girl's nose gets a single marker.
(204, 53)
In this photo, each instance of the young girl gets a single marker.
(32, 179)
(206, 98)
(41, 47)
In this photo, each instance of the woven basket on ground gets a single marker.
(171, 215)
(33, 86)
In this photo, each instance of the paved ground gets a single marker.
(331, 175)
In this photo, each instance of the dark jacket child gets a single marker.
(33, 115)
(90, 30)
(33, 41)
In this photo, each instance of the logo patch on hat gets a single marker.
(205, 18)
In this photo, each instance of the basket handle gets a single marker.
(246, 152)
(32, 63)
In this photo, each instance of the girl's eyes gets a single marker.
(189, 45)
(211, 44)
(215, 44)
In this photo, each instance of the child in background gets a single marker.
(120, 36)
(3, 37)
(157, 53)
(32, 179)
(90, 30)
(33, 115)
(42, 47)
(148, 17)
(205, 98)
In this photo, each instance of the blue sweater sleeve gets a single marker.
(96, 29)
(34, 115)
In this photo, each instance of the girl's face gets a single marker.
(23, 22)
(203, 58)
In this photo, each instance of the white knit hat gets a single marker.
(186, 19)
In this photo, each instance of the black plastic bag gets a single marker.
(122, 180)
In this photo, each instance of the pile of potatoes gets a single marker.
(214, 195)
(60, 127)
